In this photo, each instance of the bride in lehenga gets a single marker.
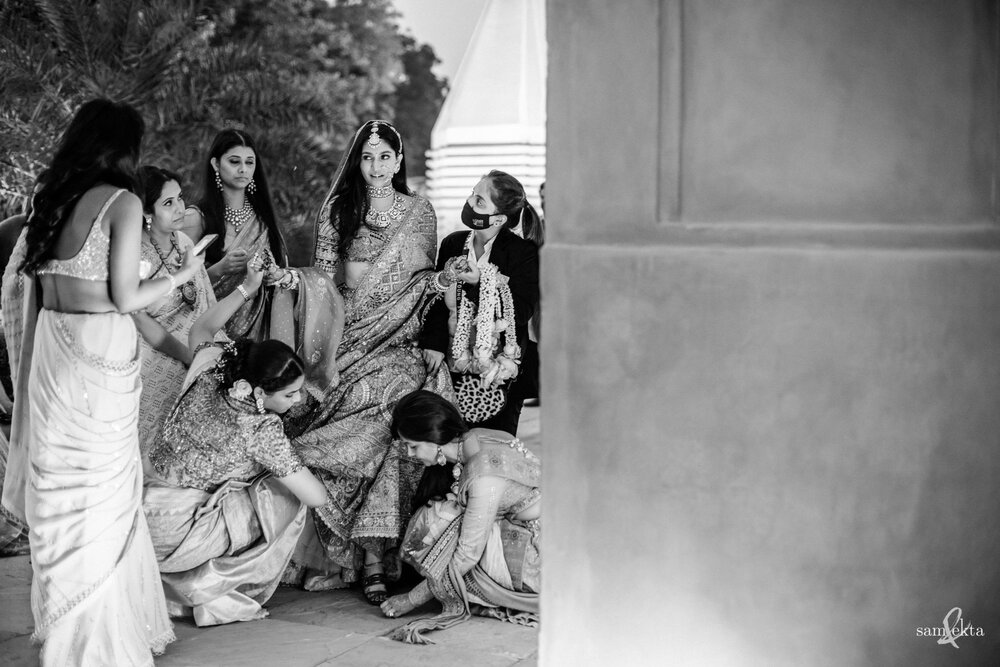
(378, 240)
(74, 471)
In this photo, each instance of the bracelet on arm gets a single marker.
(442, 282)
(290, 280)
(243, 292)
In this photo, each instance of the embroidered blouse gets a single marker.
(502, 479)
(210, 438)
(93, 258)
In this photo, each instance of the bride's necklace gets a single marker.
(380, 192)
(380, 219)
(237, 217)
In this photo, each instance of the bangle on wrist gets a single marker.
(243, 292)
(441, 285)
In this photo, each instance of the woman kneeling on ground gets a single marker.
(230, 501)
(477, 542)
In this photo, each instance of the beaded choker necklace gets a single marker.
(380, 193)
(188, 290)
(238, 217)
(381, 219)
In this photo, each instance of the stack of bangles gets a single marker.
(243, 292)
(445, 278)
(290, 280)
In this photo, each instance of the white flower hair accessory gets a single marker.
(240, 390)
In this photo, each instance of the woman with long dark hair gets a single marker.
(481, 328)
(227, 501)
(475, 534)
(236, 204)
(74, 471)
(377, 240)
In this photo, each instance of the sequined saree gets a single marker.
(344, 436)
(223, 527)
(476, 557)
(96, 596)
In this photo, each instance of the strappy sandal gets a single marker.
(373, 585)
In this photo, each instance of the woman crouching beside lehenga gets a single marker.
(477, 544)
(164, 325)
(230, 502)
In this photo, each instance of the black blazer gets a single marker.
(515, 258)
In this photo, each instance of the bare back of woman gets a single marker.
(68, 294)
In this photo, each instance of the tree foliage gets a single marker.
(300, 75)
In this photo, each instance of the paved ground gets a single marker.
(304, 629)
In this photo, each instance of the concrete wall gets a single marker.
(771, 355)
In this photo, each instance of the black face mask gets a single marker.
(474, 220)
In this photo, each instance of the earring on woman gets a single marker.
(251, 187)
(440, 458)
(218, 180)
(147, 221)
(260, 404)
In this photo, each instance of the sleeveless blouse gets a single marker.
(93, 259)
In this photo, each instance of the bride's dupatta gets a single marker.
(310, 319)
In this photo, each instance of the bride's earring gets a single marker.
(440, 458)
(218, 180)
(260, 404)
(148, 222)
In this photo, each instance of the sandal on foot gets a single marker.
(373, 586)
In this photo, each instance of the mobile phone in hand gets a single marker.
(205, 241)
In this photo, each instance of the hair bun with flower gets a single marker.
(229, 367)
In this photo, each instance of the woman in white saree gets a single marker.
(74, 472)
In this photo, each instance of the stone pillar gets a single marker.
(771, 355)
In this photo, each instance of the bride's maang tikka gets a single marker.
(373, 138)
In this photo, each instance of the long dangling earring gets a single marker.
(260, 404)
(251, 187)
(218, 180)
(148, 223)
(440, 458)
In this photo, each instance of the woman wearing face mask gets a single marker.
(165, 324)
(377, 239)
(482, 326)
(228, 502)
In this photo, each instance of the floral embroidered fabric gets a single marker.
(210, 438)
